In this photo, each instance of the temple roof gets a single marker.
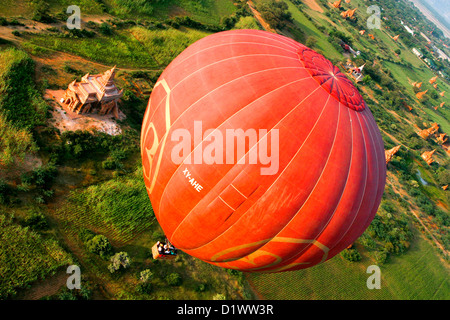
(100, 87)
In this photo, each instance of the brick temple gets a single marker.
(95, 93)
(389, 154)
(425, 133)
(428, 156)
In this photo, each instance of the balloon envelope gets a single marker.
(298, 178)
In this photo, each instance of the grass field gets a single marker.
(311, 30)
(406, 76)
(205, 11)
(120, 49)
(134, 48)
(417, 274)
(26, 256)
(118, 208)
(166, 45)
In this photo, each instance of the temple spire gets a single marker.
(108, 77)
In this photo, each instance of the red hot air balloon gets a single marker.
(326, 154)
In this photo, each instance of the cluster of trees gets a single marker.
(20, 101)
(186, 21)
(41, 11)
(275, 13)
(351, 254)
(99, 244)
(40, 179)
(15, 143)
(406, 170)
(84, 145)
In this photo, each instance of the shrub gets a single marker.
(6, 191)
(201, 287)
(42, 12)
(105, 29)
(119, 261)
(219, 296)
(146, 275)
(144, 288)
(85, 235)
(351, 255)
(99, 245)
(174, 279)
(36, 220)
(381, 257)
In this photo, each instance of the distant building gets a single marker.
(389, 154)
(442, 138)
(353, 71)
(430, 63)
(408, 29)
(425, 133)
(417, 52)
(95, 93)
(428, 156)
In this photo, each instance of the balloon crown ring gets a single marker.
(331, 79)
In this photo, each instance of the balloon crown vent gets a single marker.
(331, 79)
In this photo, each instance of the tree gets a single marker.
(99, 245)
(174, 279)
(219, 296)
(42, 12)
(146, 275)
(275, 13)
(311, 42)
(351, 255)
(145, 287)
(119, 261)
(443, 176)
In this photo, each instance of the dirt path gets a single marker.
(257, 15)
(43, 288)
(313, 5)
(393, 138)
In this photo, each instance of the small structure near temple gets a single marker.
(442, 138)
(95, 93)
(425, 133)
(390, 153)
(420, 95)
(352, 70)
(428, 156)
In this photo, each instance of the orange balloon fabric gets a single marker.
(331, 163)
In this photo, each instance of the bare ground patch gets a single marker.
(313, 5)
(65, 120)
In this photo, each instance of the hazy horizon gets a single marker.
(442, 7)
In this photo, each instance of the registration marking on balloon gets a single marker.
(197, 186)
